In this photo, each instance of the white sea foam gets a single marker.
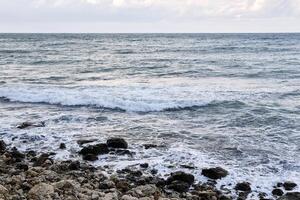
(137, 97)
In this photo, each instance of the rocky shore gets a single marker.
(37, 176)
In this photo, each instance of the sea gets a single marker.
(206, 100)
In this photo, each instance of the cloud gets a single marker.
(147, 11)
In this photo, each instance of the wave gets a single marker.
(122, 98)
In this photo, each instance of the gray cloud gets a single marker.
(187, 14)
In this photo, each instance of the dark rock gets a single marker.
(243, 195)
(31, 153)
(288, 185)
(2, 146)
(122, 152)
(90, 157)
(117, 143)
(290, 196)
(74, 165)
(30, 124)
(144, 165)
(17, 155)
(122, 185)
(97, 149)
(244, 186)
(153, 171)
(22, 166)
(179, 186)
(277, 192)
(106, 185)
(279, 184)
(62, 146)
(82, 142)
(181, 176)
(215, 173)
(188, 166)
(149, 146)
(41, 159)
(223, 197)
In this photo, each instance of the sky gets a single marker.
(145, 16)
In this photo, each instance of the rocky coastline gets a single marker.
(37, 176)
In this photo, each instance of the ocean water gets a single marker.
(230, 100)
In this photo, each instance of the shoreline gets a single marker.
(36, 175)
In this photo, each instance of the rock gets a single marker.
(144, 191)
(181, 176)
(179, 186)
(149, 146)
(277, 192)
(288, 185)
(243, 186)
(74, 165)
(290, 196)
(128, 197)
(16, 155)
(41, 191)
(144, 165)
(110, 196)
(41, 159)
(223, 197)
(90, 157)
(62, 146)
(82, 142)
(215, 173)
(65, 185)
(3, 191)
(30, 124)
(122, 185)
(97, 149)
(117, 143)
(106, 185)
(2, 146)
(22, 166)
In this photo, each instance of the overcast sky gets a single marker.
(149, 15)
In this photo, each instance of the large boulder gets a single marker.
(181, 176)
(289, 185)
(117, 143)
(97, 149)
(179, 186)
(290, 196)
(243, 186)
(41, 191)
(215, 173)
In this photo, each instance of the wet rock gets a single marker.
(144, 165)
(223, 197)
(150, 146)
(122, 152)
(74, 165)
(97, 149)
(277, 192)
(106, 185)
(16, 155)
(117, 143)
(290, 196)
(90, 157)
(181, 176)
(243, 186)
(2, 146)
(82, 142)
(62, 146)
(288, 185)
(41, 191)
(30, 124)
(179, 186)
(41, 159)
(215, 173)
(65, 185)
(22, 166)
